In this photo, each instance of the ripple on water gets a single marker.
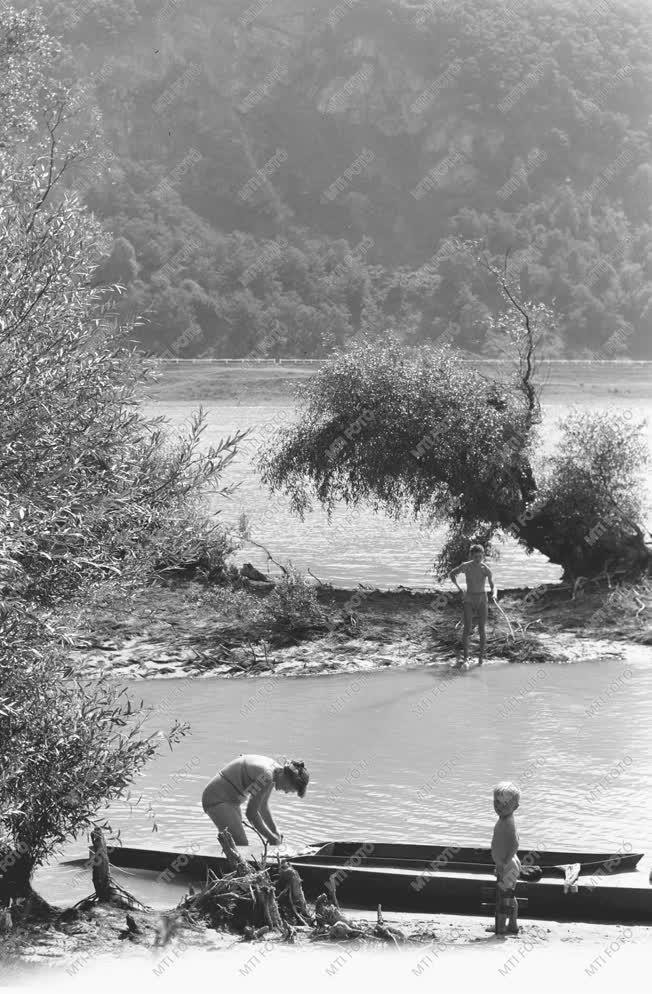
(355, 546)
(412, 755)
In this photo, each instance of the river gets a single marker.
(409, 756)
(356, 546)
(398, 755)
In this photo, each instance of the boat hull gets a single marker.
(455, 859)
(415, 887)
(452, 857)
(449, 893)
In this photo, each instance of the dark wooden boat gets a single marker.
(423, 879)
(464, 859)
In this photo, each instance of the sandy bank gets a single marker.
(452, 951)
(173, 632)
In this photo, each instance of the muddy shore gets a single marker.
(172, 631)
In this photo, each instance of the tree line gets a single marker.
(302, 176)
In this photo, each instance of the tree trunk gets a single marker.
(625, 554)
(107, 891)
(101, 870)
(15, 875)
(18, 899)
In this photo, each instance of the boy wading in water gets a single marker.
(474, 598)
(504, 850)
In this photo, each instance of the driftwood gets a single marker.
(331, 923)
(251, 899)
(387, 932)
(243, 900)
(326, 912)
(289, 880)
(233, 858)
(107, 891)
(255, 899)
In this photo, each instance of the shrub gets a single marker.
(68, 746)
(292, 605)
(590, 505)
(238, 605)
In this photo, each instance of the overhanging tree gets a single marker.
(417, 431)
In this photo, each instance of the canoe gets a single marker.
(464, 859)
(420, 880)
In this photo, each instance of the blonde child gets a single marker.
(504, 851)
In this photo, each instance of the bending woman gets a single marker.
(251, 779)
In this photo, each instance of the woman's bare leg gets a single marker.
(229, 816)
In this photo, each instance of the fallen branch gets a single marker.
(269, 555)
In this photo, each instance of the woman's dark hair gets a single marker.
(296, 772)
(476, 548)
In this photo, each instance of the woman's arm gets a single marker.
(255, 808)
(266, 815)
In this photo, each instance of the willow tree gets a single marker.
(69, 745)
(408, 430)
(416, 431)
(89, 486)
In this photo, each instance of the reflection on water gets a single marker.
(356, 546)
(412, 756)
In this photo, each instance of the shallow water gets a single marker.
(411, 756)
(356, 546)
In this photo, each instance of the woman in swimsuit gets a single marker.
(251, 779)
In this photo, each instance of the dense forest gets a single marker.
(281, 177)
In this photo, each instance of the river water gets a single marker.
(397, 755)
(411, 756)
(356, 546)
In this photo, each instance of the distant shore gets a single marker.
(259, 383)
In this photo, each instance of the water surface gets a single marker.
(356, 545)
(411, 756)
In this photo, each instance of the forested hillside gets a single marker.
(280, 176)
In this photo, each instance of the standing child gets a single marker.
(475, 602)
(504, 850)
